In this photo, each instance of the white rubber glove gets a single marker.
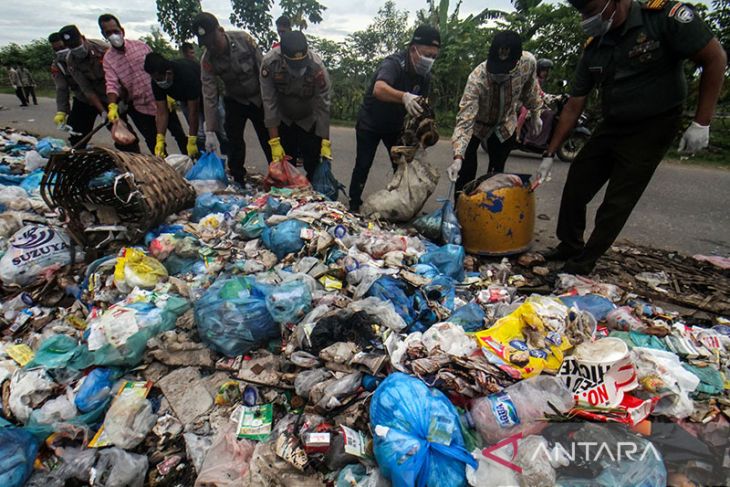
(543, 172)
(211, 143)
(453, 170)
(413, 108)
(535, 125)
(695, 138)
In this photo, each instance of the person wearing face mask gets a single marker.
(235, 59)
(84, 62)
(295, 88)
(400, 80)
(635, 57)
(79, 115)
(489, 106)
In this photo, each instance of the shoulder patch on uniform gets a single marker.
(588, 42)
(654, 4)
(207, 66)
(264, 72)
(682, 13)
(320, 78)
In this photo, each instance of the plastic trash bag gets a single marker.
(60, 352)
(180, 163)
(121, 133)
(18, 449)
(470, 317)
(595, 304)
(56, 410)
(95, 389)
(14, 198)
(283, 175)
(28, 389)
(324, 181)
(406, 194)
(429, 225)
(289, 302)
(118, 468)
(35, 252)
(275, 207)
(662, 374)
(252, 226)
(128, 421)
(227, 461)
(232, 317)
(387, 288)
(135, 269)
(33, 161)
(48, 145)
(284, 238)
(417, 435)
(208, 203)
(449, 260)
(32, 182)
(76, 464)
(450, 226)
(209, 167)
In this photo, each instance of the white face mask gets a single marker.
(116, 40)
(61, 54)
(595, 26)
(424, 64)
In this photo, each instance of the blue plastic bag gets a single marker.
(283, 239)
(32, 181)
(470, 317)
(450, 227)
(441, 289)
(275, 207)
(417, 435)
(595, 304)
(232, 317)
(429, 225)
(61, 352)
(449, 260)
(252, 226)
(208, 167)
(95, 389)
(289, 302)
(47, 146)
(325, 182)
(18, 449)
(390, 289)
(208, 203)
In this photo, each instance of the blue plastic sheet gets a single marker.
(423, 444)
(283, 239)
(32, 181)
(95, 389)
(449, 260)
(208, 203)
(595, 304)
(48, 145)
(274, 206)
(324, 181)
(470, 317)
(18, 449)
(208, 167)
(232, 317)
(289, 302)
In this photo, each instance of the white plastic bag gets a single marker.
(449, 338)
(673, 382)
(117, 468)
(35, 252)
(14, 198)
(57, 410)
(406, 194)
(27, 390)
(33, 161)
(227, 460)
(180, 163)
(128, 421)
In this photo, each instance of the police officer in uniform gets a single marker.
(235, 58)
(295, 87)
(79, 115)
(635, 58)
(394, 90)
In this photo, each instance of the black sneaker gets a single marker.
(354, 207)
(577, 268)
(561, 252)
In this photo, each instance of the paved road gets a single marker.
(685, 208)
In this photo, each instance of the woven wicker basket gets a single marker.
(145, 192)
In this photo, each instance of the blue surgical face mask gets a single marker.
(595, 25)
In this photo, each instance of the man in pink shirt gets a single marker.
(127, 80)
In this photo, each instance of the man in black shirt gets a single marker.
(401, 79)
(180, 80)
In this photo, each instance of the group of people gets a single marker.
(634, 56)
(21, 79)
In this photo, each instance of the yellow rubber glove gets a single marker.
(112, 113)
(160, 146)
(277, 151)
(60, 118)
(171, 104)
(193, 146)
(326, 150)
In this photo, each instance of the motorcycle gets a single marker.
(538, 144)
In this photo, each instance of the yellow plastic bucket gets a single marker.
(499, 222)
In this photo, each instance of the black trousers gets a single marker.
(30, 92)
(146, 126)
(625, 156)
(81, 120)
(367, 145)
(498, 152)
(178, 133)
(21, 96)
(236, 116)
(301, 144)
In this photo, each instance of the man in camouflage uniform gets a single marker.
(635, 56)
(295, 87)
(488, 109)
(235, 58)
(26, 79)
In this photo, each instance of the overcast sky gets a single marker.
(24, 20)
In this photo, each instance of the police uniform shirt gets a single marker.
(89, 72)
(396, 71)
(186, 84)
(638, 67)
(65, 85)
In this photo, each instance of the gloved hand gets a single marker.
(60, 118)
(543, 172)
(277, 151)
(453, 170)
(413, 108)
(326, 150)
(535, 124)
(211, 143)
(695, 138)
(112, 113)
(160, 146)
(171, 104)
(192, 147)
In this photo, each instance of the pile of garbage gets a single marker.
(270, 337)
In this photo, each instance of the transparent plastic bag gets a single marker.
(121, 133)
(227, 461)
(128, 421)
(449, 260)
(289, 302)
(118, 468)
(283, 175)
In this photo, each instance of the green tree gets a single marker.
(255, 16)
(303, 12)
(158, 43)
(176, 18)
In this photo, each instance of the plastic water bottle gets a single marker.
(520, 407)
